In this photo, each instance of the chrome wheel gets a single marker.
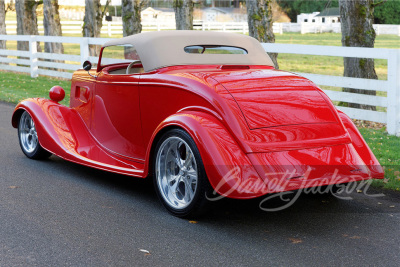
(27, 133)
(176, 172)
(28, 138)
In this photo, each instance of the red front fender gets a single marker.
(40, 109)
(62, 132)
(229, 170)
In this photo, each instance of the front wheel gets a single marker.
(179, 176)
(28, 138)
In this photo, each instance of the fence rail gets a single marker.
(37, 63)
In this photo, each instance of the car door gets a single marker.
(82, 88)
(116, 120)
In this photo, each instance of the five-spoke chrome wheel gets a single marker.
(177, 172)
(27, 133)
(179, 175)
(28, 138)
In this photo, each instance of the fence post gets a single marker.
(302, 28)
(393, 94)
(109, 28)
(84, 44)
(33, 56)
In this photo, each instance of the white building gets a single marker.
(308, 18)
(152, 14)
(82, 2)
(329, 15)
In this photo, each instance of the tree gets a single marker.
(259, 18)
(52, 25)
(93, 21)
(295, 7)
(183, 14)
(131, 16)
(27, 21)
(389, 13)
(2, 23)
(357, 18)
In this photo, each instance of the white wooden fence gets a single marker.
(115, 27)
(37, 65)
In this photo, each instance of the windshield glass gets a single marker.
(118, 54)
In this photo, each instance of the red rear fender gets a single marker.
(229, 170)
(362, 147)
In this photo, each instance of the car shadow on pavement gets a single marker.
(268, 208)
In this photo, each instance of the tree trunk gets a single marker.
(259, 18)
(52, 25)
(93, 21)
(356, 21)
(131, 16)
(183, 14)
(27, 21)
(2, 23)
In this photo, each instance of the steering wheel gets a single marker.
(128, 69)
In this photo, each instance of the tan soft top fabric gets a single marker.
(166, 48)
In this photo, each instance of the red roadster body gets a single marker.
(199, 112)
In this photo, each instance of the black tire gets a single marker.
(28, 139)
(174, 183)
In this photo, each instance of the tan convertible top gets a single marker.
(166, 48)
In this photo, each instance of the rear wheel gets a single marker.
(28, 138)
(179, 176)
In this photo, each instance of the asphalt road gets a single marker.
(56, 213)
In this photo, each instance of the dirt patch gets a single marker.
(369, 124)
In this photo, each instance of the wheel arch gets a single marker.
(153, 145)
(219, 152)
(17, 116)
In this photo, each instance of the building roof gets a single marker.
(224, 10)
(330, 12)
(166, 48)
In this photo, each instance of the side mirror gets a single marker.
(87, 65)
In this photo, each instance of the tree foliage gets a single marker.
(295, 7)
(388, 13)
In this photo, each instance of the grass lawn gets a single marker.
(387, 150)
(15, 87)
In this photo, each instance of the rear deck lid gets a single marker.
(270, 98)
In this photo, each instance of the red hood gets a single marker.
(270, 98)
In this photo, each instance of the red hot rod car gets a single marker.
(198, 112)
